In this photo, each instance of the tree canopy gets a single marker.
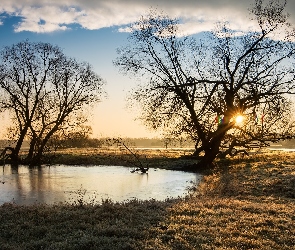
(44, 90)
(199, 87)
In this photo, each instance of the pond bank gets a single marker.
(243, 204)
(171, 159)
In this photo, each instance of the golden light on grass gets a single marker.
(239, 119)
(247, 204)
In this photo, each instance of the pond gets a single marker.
(60, 183)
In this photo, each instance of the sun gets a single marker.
(239, 119)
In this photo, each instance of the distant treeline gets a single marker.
(85, 142)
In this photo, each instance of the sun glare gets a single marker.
(239, 119)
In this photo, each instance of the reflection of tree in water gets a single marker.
(56, 184)
(30, 185)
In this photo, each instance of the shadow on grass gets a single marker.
(241, 205)
(107, 226)
(244, 204)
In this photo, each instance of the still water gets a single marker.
(61, 183)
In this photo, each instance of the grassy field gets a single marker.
(159, 158)
(242, 204)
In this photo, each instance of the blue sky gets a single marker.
(92, 30)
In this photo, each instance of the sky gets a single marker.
(92, 30)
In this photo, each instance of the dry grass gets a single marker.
(107, 226)
(244, 204)
(159, 158)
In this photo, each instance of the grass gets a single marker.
(159, 158)
(243, 204)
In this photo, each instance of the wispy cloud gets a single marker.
(55, 15)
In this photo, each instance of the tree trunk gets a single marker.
(37, 159)
(197, 151)
(211, 152)
(31, 150)
(15, 153)
(211, 149)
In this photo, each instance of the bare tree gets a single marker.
(43, 88)
(200, 87)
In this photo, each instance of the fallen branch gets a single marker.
(138, 164)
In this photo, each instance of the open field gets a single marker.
(158, 158)
(243, 204)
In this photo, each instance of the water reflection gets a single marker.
(55, 184)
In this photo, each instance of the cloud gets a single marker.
(48, 16)
(46, 19)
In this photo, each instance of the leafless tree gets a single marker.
(199, 87)
(43, 88)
